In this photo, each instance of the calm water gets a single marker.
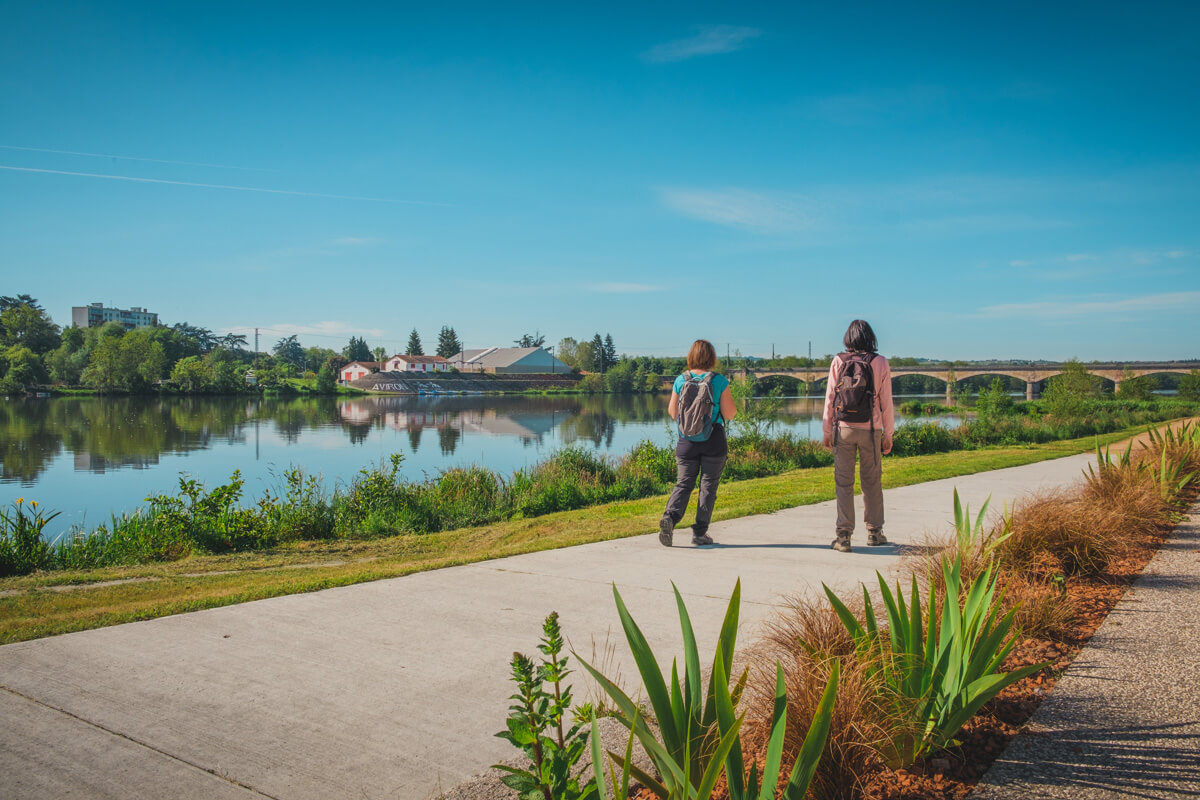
(88, 457)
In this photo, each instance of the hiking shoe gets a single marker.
(665, 530)
(701, 539)
(842, 543)
(876, 538)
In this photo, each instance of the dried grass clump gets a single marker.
(1069, 528)
(1042, 608)
(805, 638)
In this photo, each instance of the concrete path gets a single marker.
(1124, 722)
(393, 689)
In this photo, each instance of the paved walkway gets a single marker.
(1124, 722)
(393, 689)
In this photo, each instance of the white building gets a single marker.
(509, 361)
(94, 315)
(407, 363)
(358, 369)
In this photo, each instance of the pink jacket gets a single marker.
(885, 415)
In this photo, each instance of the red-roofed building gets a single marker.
(358, 369)
(407, 363)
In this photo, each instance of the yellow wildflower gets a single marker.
(20, 500)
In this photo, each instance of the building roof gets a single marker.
(367, 364)
(493, 357)
(419, 359)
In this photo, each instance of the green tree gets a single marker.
(288, 350)
(567, 352)
(756, 415)
(204, 338)
(379, 354)
(232, 341)
(1189, 386)
(24, 323)
(1071, 393)
(994, 401)
(326, 380)
(20, 370)
(535, 339)
(103, 372)
(598, 362)
(1134, 387)
(357, 350)
(619, 377)
(414, 344)
(192, 375)
(610, 351)
(448, 342)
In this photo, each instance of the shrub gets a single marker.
(944, 664)
(22, 548)
(930, 437)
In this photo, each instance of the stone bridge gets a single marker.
(1032, 374)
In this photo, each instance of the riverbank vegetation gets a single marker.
(126, 590)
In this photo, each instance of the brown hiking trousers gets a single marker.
(866, 446)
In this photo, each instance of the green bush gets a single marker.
(22, 548)
(912, 439)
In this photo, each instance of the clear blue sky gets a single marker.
(1016, 181)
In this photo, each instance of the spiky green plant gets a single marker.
(945, 675)
(698, 727)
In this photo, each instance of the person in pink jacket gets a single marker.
(858, 424)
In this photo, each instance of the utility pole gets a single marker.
(256, 345)
(772, 351)
(727, 352)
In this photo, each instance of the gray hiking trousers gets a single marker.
(698, 459)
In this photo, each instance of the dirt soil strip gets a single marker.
(1124, 721)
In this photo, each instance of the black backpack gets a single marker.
(854, 394)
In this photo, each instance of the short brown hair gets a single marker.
(702, 355)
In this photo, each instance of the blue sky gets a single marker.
(1018, 181)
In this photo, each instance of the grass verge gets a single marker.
(49, 603)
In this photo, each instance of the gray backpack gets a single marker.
(696, 406)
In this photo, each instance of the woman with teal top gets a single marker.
(702, 454)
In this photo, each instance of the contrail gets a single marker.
(130, 158)
(218, 186)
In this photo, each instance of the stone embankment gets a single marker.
(400, 383)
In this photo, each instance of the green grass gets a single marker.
(30, 608)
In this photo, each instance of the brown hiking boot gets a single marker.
(876, 538)
(842, 543)
(701, 539)
(665, 530)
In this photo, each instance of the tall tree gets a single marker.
(203, 337)
(448, 342)
(232, 341)
(535, 339)
(288, 349)
(357, 349)
(414, 344)
(26, 324)
(568, 352)
(597, 360)
(610, 351)
(380, 354)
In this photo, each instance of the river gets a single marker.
(88, 457)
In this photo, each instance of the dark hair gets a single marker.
(702, 355)
(860, 338)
